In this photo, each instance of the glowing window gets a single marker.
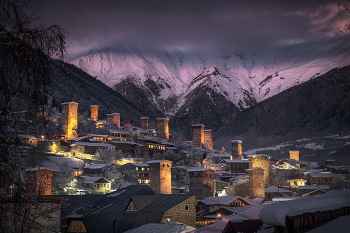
(77, 226)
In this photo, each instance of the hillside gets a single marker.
(71, 84)
(168, 82)
(316, 108)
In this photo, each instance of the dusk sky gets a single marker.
(191, 24)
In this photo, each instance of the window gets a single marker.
(187, 207)
(168, 220)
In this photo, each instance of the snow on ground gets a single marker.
(63, 161)
(311, 145)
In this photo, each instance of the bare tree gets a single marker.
(25, 77)
(109, 156)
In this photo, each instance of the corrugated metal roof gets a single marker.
(143, 201)
(166, 201)
(116, 201)
(162, 228)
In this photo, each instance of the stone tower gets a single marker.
(94, 112)
(236, 149)
(201, 182)
(144, 122)
(109, 118)
(69, 119)
(160, 176)
(198, 135)
(261, 161)
(116, 119)
(208, 138)
(294, 154)
(256, 182)
(163, 128)
(39, 180)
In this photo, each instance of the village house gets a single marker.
(237, 165)
(304, 214)
(95, 170)
(210, 204)
(323, 178)
(126, 209)
(99, 185)
(81, 148)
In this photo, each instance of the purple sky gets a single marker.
(200, 24)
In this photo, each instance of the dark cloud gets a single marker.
(193, 24)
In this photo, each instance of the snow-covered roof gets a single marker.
(341, 224)
(274, 189)
(126, 142)
(96, 166)
(118, 131)
(314, 191)
(140, 164)
(91, 179)
(287, 198)
(92, 144)
(275, 214)
(75, 139)
(27, 136)
(236, 141)
(196, 125)
(255, 168)
(163, 227)
(222, 172)
(326, 187)
(236, 160)
(198, 169)
(219, 155)
(325, 174)
(159, 161)
(225, 200)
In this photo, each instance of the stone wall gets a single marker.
(109, 118)
(236, 149)
(160, 177)
(208, 138)
(241, 189)
(144, 122)
(294, 155)
(116, 119)
(182, 214)
(94, 112)
(201, 183)
(198, 135)
(256, 182)
(163, 128)
(261, 161)
(69, 119)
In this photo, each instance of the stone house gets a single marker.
(126, 209)
(98, 184)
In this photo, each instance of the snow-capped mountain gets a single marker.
(169, 75)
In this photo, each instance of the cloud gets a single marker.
(200, 24)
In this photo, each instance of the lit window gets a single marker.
(168, 220)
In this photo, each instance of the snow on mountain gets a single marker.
(235, 75)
